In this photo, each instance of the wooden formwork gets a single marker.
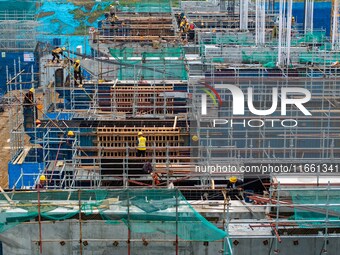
(163, 139)
(133, 25)
(145, 99)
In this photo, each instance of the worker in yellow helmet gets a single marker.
(56, 52)
(29, 98)
(184, 24)
(77, 72)
(29, 104)
(141, 145)
(42, 182)
(112, 10)
(69, 137)
(233, 182)
(70, 134)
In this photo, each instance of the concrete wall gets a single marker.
(311, 246)
(23, 240)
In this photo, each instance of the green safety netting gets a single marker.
(163, 211)
(265, 58)
(244, 40)
(314, 206)
(153, 70)
(319, 57)
(316, 37)
(126, 53)
(141, 6)
(162, 64)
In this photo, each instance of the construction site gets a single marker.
(170, 127)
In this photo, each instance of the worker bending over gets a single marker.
(56, 52)
(233, 183)
(141, 145)
(29, 103)
(77, 72)
(29, 98)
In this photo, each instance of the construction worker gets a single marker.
(147, 167)
(178, 18)
(70, 138)
(142, 81)
(42, 182)
(113, 20)
(234, 187)
(191, 32)
(29, 98)
(141, 145)
(56, 52)
(233, 182)
(184, 24)
(77, 72)
(112, 10)
(155, 178)
(29, 102)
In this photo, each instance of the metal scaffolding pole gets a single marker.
(260, 21)
(335, 33)
(244, 15)
(309, 16)
(285, 27)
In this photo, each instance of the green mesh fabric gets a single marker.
(259, 58)
(319, 57)
(316, 37)
(162, 64)
(142, 211)
(315, 205)
(162, 6)
(126, 53)
(231, 39)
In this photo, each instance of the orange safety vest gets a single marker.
(141, 143)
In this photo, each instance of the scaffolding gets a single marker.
(335, 24)
(150, 219)
(142, 219)
(18, 30)
(123, 86)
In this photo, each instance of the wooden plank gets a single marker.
(6, 196)
(18, 158)
(23, 156)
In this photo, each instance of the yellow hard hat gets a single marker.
(63, 48)
(42, 178)
(195, 138)
(32, 90)
(70, 133)
(140, 133)
(78, 61)
(38, 122)
(184, 17)
(233, 179)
